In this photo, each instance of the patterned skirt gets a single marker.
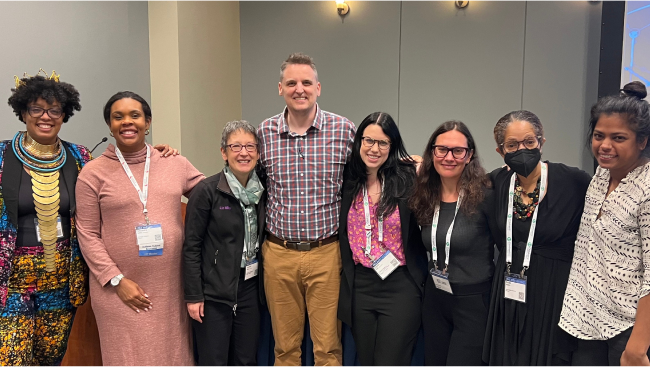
(36, 321)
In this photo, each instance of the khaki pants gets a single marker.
(295, 280)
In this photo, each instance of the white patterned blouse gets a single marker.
(611, 263)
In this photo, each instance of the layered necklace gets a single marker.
(521, 210)
(44, 163)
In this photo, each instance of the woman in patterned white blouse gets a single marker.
(606, 305)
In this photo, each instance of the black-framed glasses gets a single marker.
(37, 112)
(441, 151)
(512, 145)
(369, 142)
(238, 147)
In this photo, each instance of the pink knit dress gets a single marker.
(108, 210)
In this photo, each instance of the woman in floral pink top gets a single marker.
(384, 260)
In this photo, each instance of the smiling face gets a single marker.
(44, 129)
(300, 88)
(128, 124)
(241, 163)
(449, 167)
(615, 145)
(374, 157)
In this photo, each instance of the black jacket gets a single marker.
(214, 240)
(414, 253)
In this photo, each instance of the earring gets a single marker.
(111, 134)
(146, 132)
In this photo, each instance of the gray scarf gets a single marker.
(248, 197)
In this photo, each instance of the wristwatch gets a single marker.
(116, 280)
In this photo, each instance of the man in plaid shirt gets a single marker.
(303, 150)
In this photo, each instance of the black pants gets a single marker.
(454, 325)
(601, 352)
(225, 338)
(385, 317)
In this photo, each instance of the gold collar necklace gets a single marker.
(41, 151)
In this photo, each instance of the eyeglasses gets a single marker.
(238, 147)
(37, 112)
(511, 146)
(441, 151)
(369, 142)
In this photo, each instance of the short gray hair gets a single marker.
(237, 125)
(298, 58)
(521, 115)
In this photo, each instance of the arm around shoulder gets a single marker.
(192, 177)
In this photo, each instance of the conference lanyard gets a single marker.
(434, 229)
(368, 226)
(142, 194)
(533, 224)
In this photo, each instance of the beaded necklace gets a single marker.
(43, 162)
(521, 210)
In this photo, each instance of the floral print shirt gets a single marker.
(392, 239)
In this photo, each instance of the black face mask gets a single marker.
(523, 161)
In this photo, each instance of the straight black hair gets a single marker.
(397, 173)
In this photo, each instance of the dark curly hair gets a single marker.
(397, 173)
(428, 185)
(631, 105)
(36, 87)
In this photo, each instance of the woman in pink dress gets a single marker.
(131, 234)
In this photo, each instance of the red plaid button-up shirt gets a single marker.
(305, 175)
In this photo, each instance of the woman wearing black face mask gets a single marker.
(538, 206)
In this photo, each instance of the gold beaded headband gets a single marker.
(54, 77)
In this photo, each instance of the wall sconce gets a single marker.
(342, 7)
(461, 4)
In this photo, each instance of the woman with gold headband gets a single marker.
(43, 276)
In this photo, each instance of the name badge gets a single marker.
(515, 287)
(59, 228)
(252, 267)
(150, 239)
(385, 265)
(441, 281)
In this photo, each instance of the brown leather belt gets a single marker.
(301, 245)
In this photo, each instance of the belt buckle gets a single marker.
(303, 246)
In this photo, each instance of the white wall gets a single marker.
(195, 76)
(357, 58)
(210, 78)
(422, 62)
(561, 75)
(460, 65)
(428, 62)
(99, 47)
